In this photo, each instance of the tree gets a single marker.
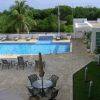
(69, 19)
(3, 23)
(19, 18)
(62, 27)
(49, 24)
(52, 21)
(22, 18)
(46, 13)
(69, 29)
(42, 25)
(64, 11)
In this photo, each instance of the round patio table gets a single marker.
(38, 84)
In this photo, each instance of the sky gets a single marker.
(43, 4)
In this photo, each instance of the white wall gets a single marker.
(80, 31)
(98, 20)
(79, 20)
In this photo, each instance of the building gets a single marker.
(82, 25)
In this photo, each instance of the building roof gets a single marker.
(95, 24)
(82, 25)
(87, 24)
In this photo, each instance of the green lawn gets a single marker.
(80, 87)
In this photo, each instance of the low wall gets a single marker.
(37, 34)
(33, 35)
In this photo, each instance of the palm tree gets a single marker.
(19, 18)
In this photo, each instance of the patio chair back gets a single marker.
(32, 91)
(20, 60)
(33, 78)
(54, 79)
(54, 94)
(5, 63)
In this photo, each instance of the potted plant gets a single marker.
(88, 47)
(87, 37)
(97, 56)
(97, 50)
(85, 41)
(84, 38)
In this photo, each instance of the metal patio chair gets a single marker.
(54, 94)
(5, 63)
(21, 63)
(33, 92)
(32, 78)
(54, 79)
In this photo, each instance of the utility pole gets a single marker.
(73, 12)
(58, 19)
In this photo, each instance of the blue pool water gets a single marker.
(46, 47)
(45, 38)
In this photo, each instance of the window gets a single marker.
(97, 39)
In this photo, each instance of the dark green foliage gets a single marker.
(97, 50)
(69, 28)
(23, 18)
(64, 11)
(91, 13)
(49, 24)
(69, 19)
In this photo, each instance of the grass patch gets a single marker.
(80, 87)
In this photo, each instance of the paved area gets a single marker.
(63, 65)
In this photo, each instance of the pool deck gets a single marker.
(63, 65)
(61, 41)
(20, 41)
(32, 41)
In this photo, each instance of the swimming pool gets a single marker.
(34, 48)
